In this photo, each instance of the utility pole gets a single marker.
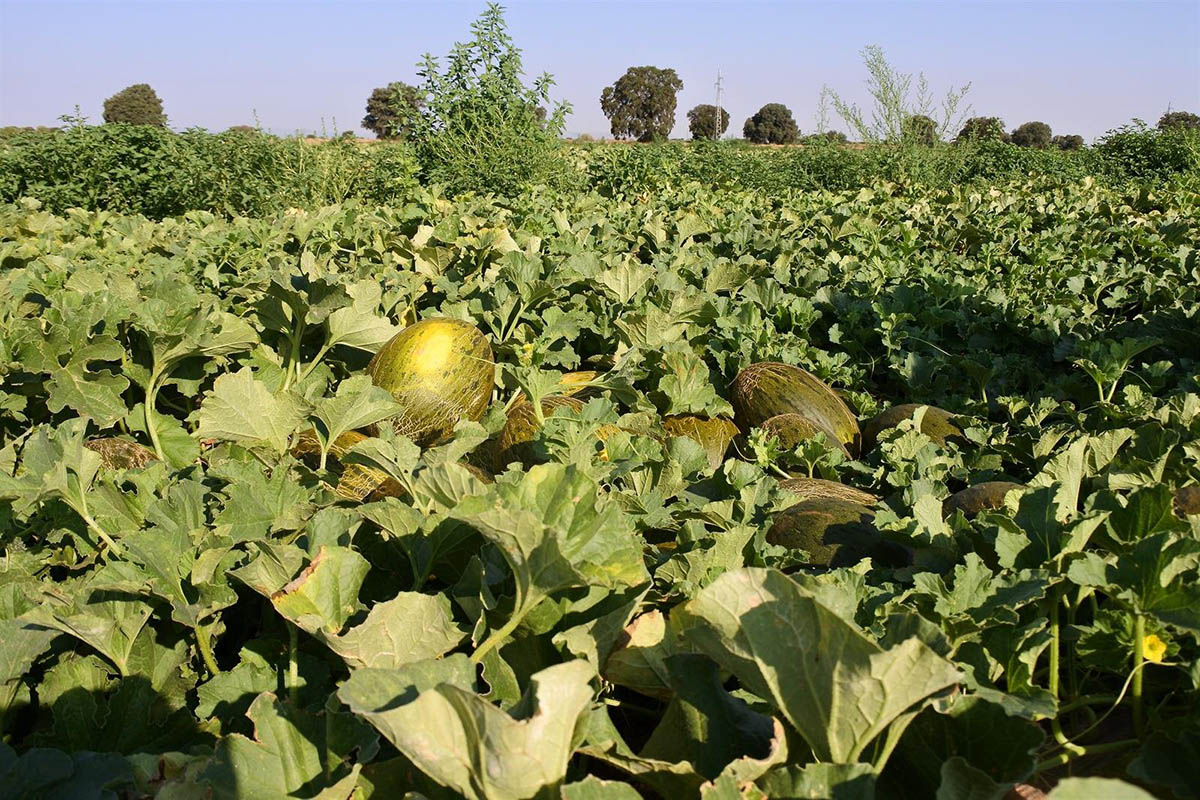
(717, 119)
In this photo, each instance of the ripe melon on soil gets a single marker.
(513, 443)
(819, 488)
(792, 429)
(356, 481)
(120, 453)
(768, 389)
(988, 495)
(938, 424)
(440, 371)
(714, 435)
(1187, 501)
(834, 533)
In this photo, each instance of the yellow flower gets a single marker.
(1153, 648)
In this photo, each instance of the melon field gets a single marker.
(891, 492)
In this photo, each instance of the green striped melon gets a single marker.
(834, 533)
(988, 495)
(818, 488)
(792, 429)
(938, 424)
(768, 389)
(440, 371)
(714, 435)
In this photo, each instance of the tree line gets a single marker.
(641, 106)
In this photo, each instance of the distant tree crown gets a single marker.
(1178, 119)
(135, 105)
(919, 129)
(641, 104)
(705, 123)
(980, 129)
(771, 124)
(1071, 141)
(392, 110)
(1032, 134)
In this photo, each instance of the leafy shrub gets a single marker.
(1031, 134)
(641, 104)
(1137, 152)
(1178, 119)
(771, 124)
(150, 170)
(392, 110)
(982, 129)
(135, 105)
(480, 129)
(704, 122)
(1071, 141)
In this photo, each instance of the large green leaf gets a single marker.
(468, 744)
(835, 685)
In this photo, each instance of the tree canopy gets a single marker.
(771, 124)
(704, 122)
(979, 129)
(641, 104)
(138, 104)
(392, 110)
(1032, 134)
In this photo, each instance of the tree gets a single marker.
(136, 105)
(920, 129)
(641, 104)
(392, 110)
(771, 124)
(894, 103)
(825, 137)
(982, 129)
(1072, 141)
(1185, 120)
(480, 129)
(704, 123)
(1032, 134)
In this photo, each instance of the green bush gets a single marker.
(480, 130)
(152, 171)
(704, 122)
(1136, 152)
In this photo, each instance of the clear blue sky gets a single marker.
(1082, 67)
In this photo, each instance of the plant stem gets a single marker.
(313, 364)
(95, 527)
(204, 645)
(1092, 750)
(500, 634)
(1139, 656)
(293, 666)
(151, 397)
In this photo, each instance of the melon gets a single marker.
(938, 424)
(1187, 501)
(714, 435)
(988, 495)
(792, 429)
(570, 384)
(440, 371)
(818, 488)
(356, 481)
(121, 453)
(522, 425)
(768, 389)
(834, 533)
